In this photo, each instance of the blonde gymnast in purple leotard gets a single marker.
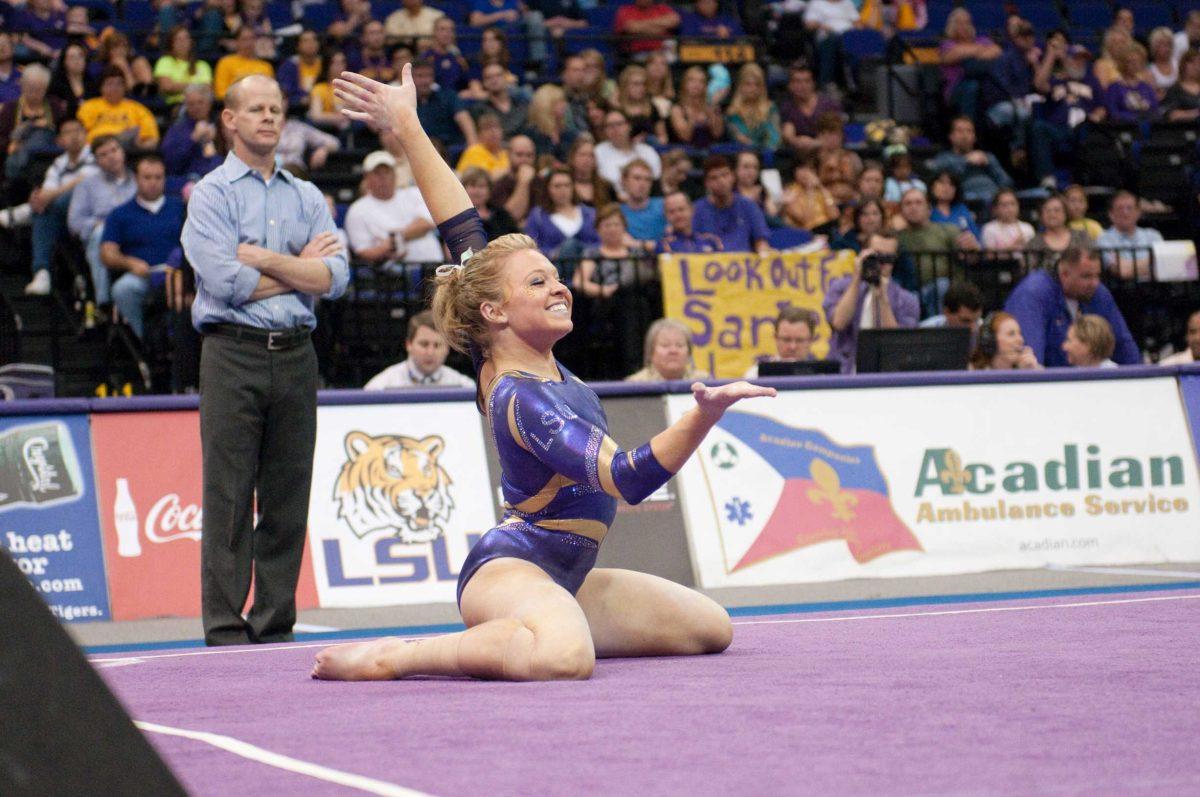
(534, 606)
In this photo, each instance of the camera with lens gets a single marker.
(872, 267)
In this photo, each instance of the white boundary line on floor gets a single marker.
(966, 611)
(1127, 571)
(280, 761)
(125, 660)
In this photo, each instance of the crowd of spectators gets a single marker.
(612, 154)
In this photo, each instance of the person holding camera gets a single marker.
(867, 298)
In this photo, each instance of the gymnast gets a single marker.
(534, 606)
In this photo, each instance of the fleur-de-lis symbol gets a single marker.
(954, 475)
(829, 490)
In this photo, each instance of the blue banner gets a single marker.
(48, 518)
(1189, 388)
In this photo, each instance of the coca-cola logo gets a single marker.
(169, 519)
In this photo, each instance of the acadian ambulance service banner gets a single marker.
(730, 301)
(824, 485)
(399, 495)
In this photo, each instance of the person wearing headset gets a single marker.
(1001, 346)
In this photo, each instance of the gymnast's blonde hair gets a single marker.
(461, 291)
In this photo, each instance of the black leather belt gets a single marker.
(270, 339)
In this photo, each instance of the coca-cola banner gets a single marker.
(150, 482)
(399, 495)
(48, 513)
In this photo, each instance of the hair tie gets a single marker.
(449, 268)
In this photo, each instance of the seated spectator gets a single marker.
(643, 214)
(1189, 37)
(28, 125)
(514, 191)
(139, 238)
(1164, 66)
(300, 142)
(214, 23)
(1077, 207)
(560, 225)
(425, 365)
(112, 114)
(795, 330)
(962, 307)
(573, 82)
(44, 28)
(498, 99)
(253, 15)
(240, 63)
(179, 67)
(190, 146)
(707, 22)
(1105, 70)
(10, 75)
(441, 114)
(979, 173)
(620, 149)
(677, 175)
(300, 72)
(70, 82)
(488, 151)
(868, 220)
(1131, 244)
(548, 121)
(1072, 97)
(1123, 20)
(827, 20)
(1045, 302)
(900, 174)
(1129, 97)
(966, 63)
(386, 224)
(753, 119)
(324, 108)
(644, 18)
(867, 298)
(694, 120)
(667, 354)
(1190, 354)
(947, 209)
(94, 198)
(1056, 237)
(659, 81)
(449, 66)
(590, 188)
(525, 19)
(79, 27)
(372, 58)
(806, 203)
(1182, 101)
(1089, 342)
(681, 238)
(496, 220)
(832, 152)
(414, 20)
(1000, 346)
(1006, 232)
(932, 246)
(871, 182)
(632, 98)
(351, 17)
(48, 204)
(747, 174)
(1003, 96)
(737, 221)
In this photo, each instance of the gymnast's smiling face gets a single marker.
(537, 305)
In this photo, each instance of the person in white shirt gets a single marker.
(1130, 244)
(1006, 232)
(828, 20)
(387, 224)
(1090, 342)
(414, 21)
(1192, 353)
(612, 155)
(426, 362)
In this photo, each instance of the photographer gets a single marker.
(868, 298)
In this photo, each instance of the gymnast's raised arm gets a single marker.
(394, 109)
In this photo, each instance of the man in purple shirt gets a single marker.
(681, 239)
(802, 107)
(10, 76)
(737, 221)
(863, 300)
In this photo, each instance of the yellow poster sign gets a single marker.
(730, 301)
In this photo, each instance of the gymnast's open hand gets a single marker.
(713, 401)
(383, 106)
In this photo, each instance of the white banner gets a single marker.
(825, 485)
(400, 493)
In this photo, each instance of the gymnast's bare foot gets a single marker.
(377, 660)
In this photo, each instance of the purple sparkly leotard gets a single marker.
(561, 472)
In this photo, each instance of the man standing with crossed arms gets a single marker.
(263, 247)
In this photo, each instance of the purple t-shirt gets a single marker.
(1127, 103)
(806, 123)
(50, 31)
(738, 226)
(953, 73)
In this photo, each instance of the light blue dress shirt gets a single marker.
(233, 205)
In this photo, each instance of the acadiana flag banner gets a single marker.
(730, 301)
(823, 485)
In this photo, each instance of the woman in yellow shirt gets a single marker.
(324, 109)
(488, 153)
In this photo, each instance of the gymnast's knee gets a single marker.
(572, 660)
(711, 630)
